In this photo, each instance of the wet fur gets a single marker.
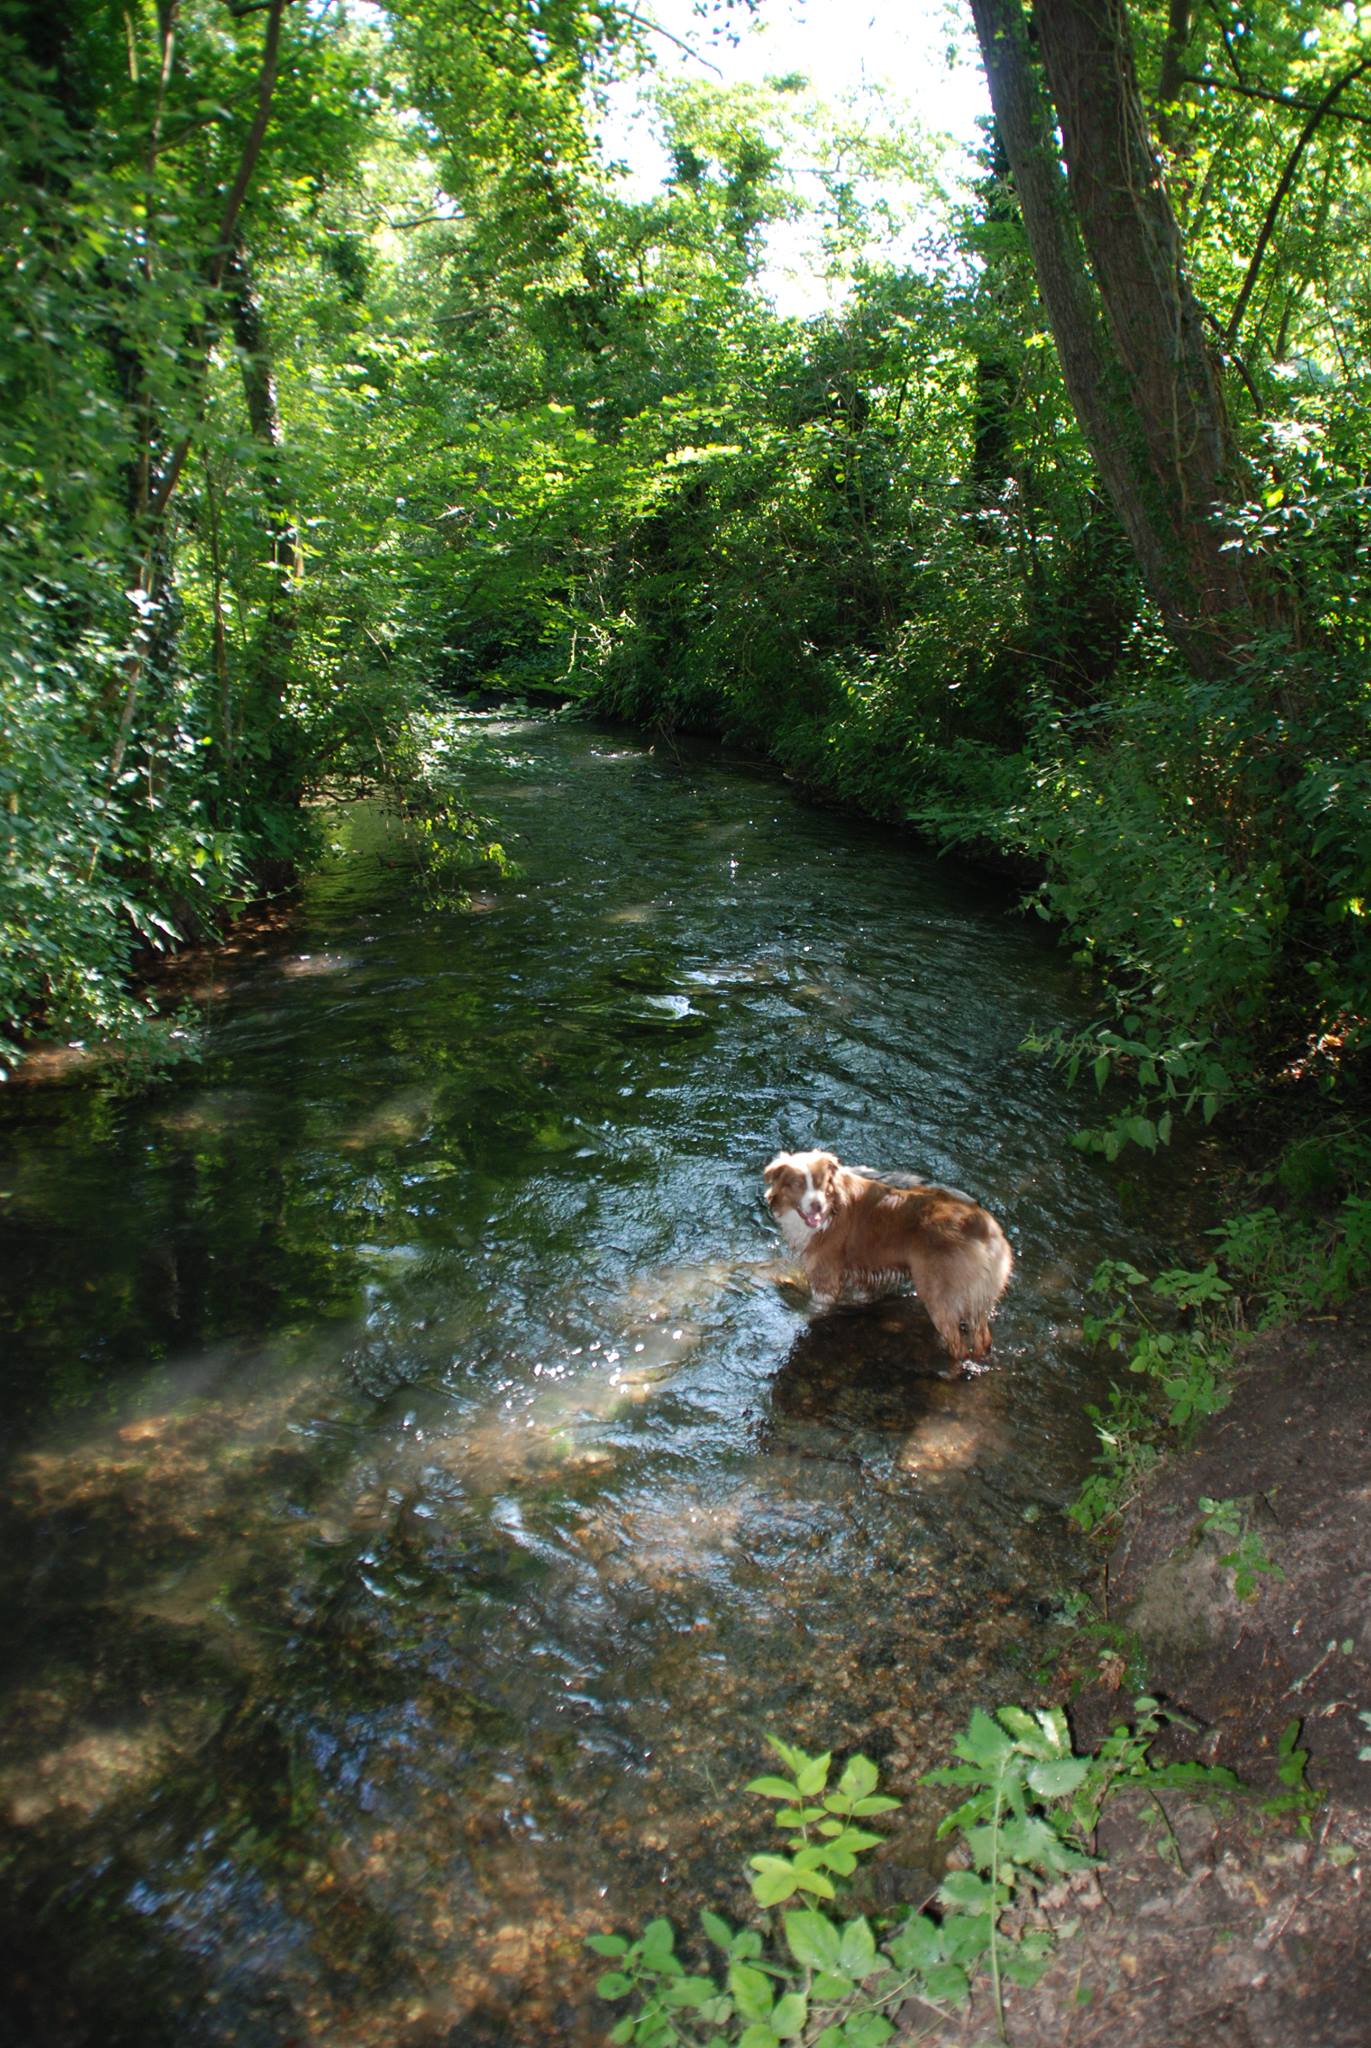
(855, 1232)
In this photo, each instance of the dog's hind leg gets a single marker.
(944, 1312)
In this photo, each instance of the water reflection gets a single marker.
(422, 1492)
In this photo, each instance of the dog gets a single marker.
(855, 1231)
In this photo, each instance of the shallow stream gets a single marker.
(421, 1493)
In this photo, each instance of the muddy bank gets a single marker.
(1246, 1923)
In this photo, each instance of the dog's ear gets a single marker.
(778, 1165)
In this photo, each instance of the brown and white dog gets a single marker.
(853, 1230)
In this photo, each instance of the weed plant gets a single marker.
(803, 1969)
(1178, 1334)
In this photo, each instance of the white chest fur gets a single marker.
(795, 1230)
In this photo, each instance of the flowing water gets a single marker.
(423, 1490)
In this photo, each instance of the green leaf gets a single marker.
(917, 1945)
(773, 1788)
(877, 1803)
(775, 1880)
(858, 1951)
(963, 1889)
(657, 1942)
(718, 1931)
(695, 1991)
(613, 1984)
(813, 1939)
(751, 1990)
(1054, 1780)
(867, 2030)
(984, 1743)
(813, 1775)
(789, 2015)
(860, 1777)
(947, 1984)
(759, 2035)
(607, 1944)
(793, 1759)
(848, 1838)
(1024, 1969)
(966, 1936)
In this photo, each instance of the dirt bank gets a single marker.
(1246, 1925)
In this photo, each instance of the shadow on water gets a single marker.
(421, 1496)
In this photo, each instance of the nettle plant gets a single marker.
(806, 1972)
(1175, 1334)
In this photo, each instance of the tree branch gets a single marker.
(1278, 197)
(237, 192)
(656, 29)
(1271, 96)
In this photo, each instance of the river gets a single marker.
(423, 1494)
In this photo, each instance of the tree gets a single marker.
(1145, 382)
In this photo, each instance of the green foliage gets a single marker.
(468, 414)
(1309, 1246)
(1248, 1560)
(160, 715)
(217, 598)
(1205, 842)
(1178, 1332)
(1026, 1820)
(1174, 1334)
(1297, 1797)
(823, 1842)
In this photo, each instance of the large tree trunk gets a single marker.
(1145, 388)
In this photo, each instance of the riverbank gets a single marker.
(1243, 1921)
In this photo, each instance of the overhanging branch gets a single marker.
(1278, 197)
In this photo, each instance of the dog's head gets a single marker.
(801, 1184)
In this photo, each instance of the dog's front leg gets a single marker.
(825, 1284)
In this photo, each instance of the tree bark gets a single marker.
(263, 409)
(1129, 333)
(1171, 76)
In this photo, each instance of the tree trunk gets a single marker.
(992, 427)
(275, 639)
(264, 415)
(1128, 329)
